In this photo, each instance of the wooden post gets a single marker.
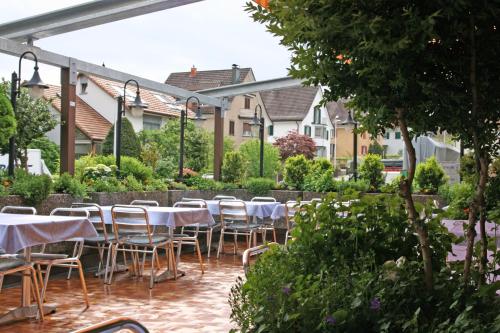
(68, 125)
(218, 143)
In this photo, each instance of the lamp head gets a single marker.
(349, 120)
(199, 119)
(35, 85)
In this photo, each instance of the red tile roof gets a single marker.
(205, 79)
(88, 120)
(156, 106)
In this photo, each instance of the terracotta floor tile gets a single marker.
(193, 303)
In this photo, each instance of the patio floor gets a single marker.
(193, 303)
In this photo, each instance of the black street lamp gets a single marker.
(198, 119)
(138, 105)
(36, 86)
(351, 122)
(259, 122)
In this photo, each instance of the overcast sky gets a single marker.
(211, 34)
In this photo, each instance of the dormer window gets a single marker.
(84, 82)
(317, 115)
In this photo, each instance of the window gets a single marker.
(332, 133)
(247, 103)
(83, 86)
(231, 127)
(151, 122)
(307, 130)
(317, 115)
(318, 132)
(247, 129)
(364, 150)
(270, 130)
(320, 151)
(387, 135)
(326, 132)
(398, 135)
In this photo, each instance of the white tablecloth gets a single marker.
(170, 216)
(21, 231)
(254, 208)
(278, 212)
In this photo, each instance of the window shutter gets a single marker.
(270, 130)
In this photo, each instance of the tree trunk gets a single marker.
(406, 193)
(23, 158)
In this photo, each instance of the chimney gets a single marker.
(193, 72)
(235, 77)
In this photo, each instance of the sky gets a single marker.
(211, 34)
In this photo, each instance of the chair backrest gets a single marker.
(233, 211)
(203, 202)
(224, 197)
(317, 200)
(71, 212)
(115, 325)
(191, 204)
(292, 207)
(96, 216)
(150, 203)
(263, 199)
(128, 219)
(18, 210)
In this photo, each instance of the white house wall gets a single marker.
(55, 134)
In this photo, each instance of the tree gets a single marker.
(7, 119)
(371, 170)
(34, 119)
(296, 170)
(251, 151)
(295, 144)
(233, 167)
(50, 152)
(376, 148)
(130, 144)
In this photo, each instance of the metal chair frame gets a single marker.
(208, 230)
(149, 203)
(15, 210)
(143, 229)
(235, 211)
(224, 197)
(291, 207)
(254, 251)
(189, 234)
(24, 269)
(115, 325)
(266, 226)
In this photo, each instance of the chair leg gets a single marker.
(152, 278)
(108, 257)
(45, 281)
(174, 264)
(1, 282)
(209, 241)
(221, 244)
(179, 249)
(199, 256)
(274, 234)
(114, 250)
(235, 242)
(75, 250)
(36, 292)
(82, 282)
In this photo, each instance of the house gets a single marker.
(238, 118)
(342, 141)
(101, 94)
(91, 126)
(393, 142)
(298, 108)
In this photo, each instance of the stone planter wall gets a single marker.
(125, 198)
(45, 207)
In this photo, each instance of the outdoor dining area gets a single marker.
(133, 250)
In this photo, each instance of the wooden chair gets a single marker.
(134, 235)
(8, 267)
(235, 221)
(189, 234)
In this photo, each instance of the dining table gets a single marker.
(256, 209)
(20, 232)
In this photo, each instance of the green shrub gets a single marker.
(199, 183)
(32, 188)
(156, 185)
(99, 171)
(429, 176)
(130, 143)
(357, 274)
(260, 186)
(468, 168)
(50, 153)
(7, 119)
(132, 184)
(296, 169)
(91, 161)
(320, 176)
(107, 185)
(70, 185)
(177, 186)
(392, 187)
(458, 196)
(134, 167)
(167, 168)
(359, 185)
(233, 167)
(371, 170)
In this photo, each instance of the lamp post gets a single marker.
(36, 86)
(198, 119)
(351, 122)
(259, 122)
(138, 105)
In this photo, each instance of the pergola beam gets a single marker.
(251, 87)
(83, 16)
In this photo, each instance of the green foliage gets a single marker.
(356, 269)
(228, 147)
(200, 183)
(392, 187)
(350, 186)
(107, 185)
(371, 170)
(50, 152)
(130, 144)
(196, 150)
(459, 197)
(233, 167)
(150, 155)
(32, 188)
(260, 186)
(34, 119)
(251, 151)
(134, 167)
(156, 185)
(70, 185)
(376, 148)
(7, 119)
(167, 168)
(296, 169)
(429, 176)
(468, 168)
(132, 184)
(320, 176)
